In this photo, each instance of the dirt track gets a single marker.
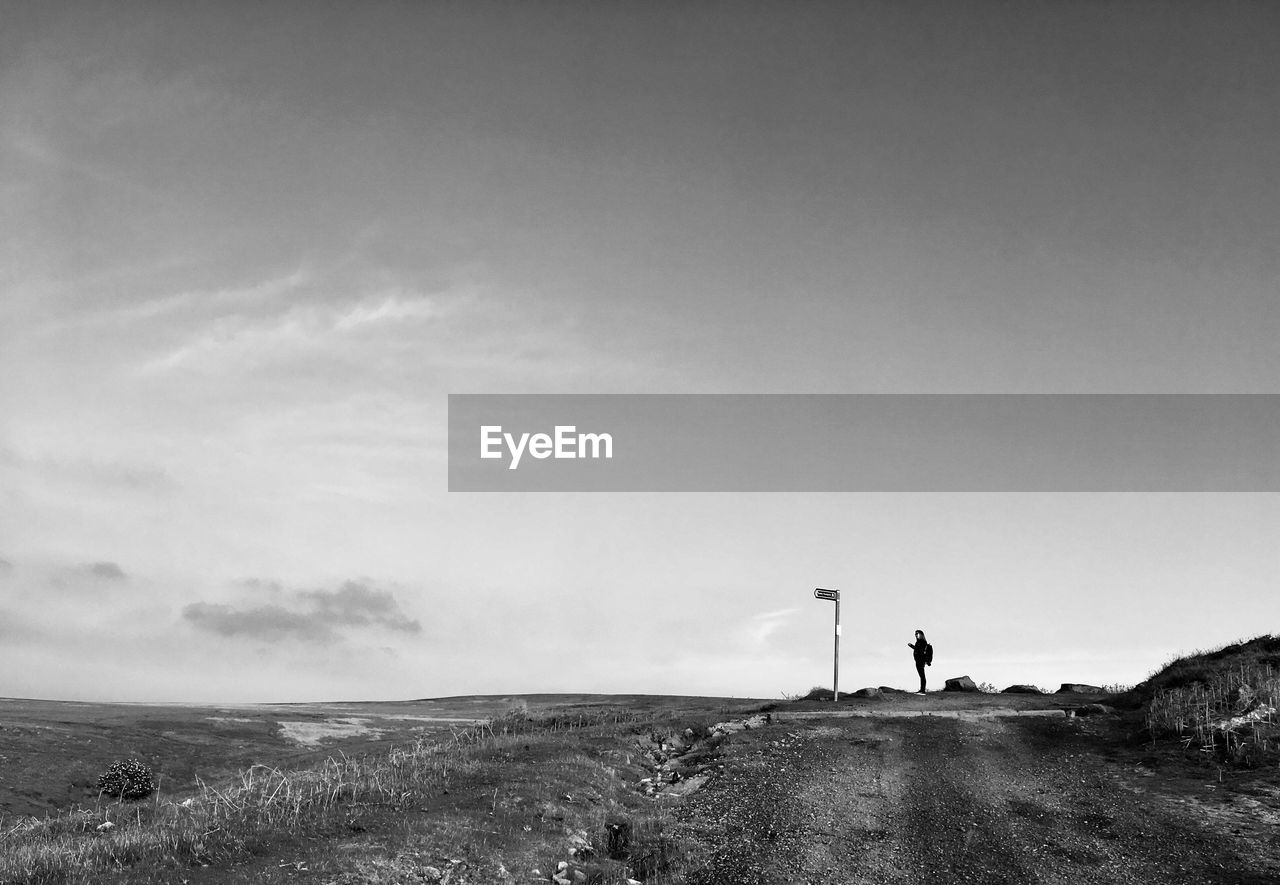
(925, 799)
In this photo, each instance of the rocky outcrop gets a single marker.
(1080, 688)
(1022, 689)
(867, 693)
(960, 683)
(683, 762)
(1248, 708)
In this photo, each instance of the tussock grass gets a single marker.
(521, 720)
(1201, 665)
(1223, 702)
(220, 820)
(246, 815)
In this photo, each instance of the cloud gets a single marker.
(110, 475)
(170, 312)
(298, 328)
(763, 625)
(260, 622)
(13, 628)
(261, 585)
(5, 566)
(403, 333)
(85, 575)
(108, 571)
(354, 604)
(321, 616)
(394, 307)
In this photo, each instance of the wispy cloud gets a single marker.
(248, 340)
(763, 625)
(101, 473)
(393, 307)
(186, 306)
(320, 616)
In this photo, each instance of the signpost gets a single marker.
(834, 596)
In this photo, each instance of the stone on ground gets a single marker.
(1080, 688)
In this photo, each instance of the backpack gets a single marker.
(928, 653)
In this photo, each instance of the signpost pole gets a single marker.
(835, 679)
(833, 596)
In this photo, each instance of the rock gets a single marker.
(1022, 689)
(960, 683)
(677, 769)
(685, 786)
(1080, 688)
(1259, 713)
(580, 846)
(867, 693)
(886, 689)
(742, 724)
(1092, 710)
(1241, 697)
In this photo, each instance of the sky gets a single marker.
(250, 249)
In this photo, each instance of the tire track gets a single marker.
(892, 801)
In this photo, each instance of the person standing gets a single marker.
(922, 651)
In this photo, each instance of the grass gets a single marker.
(523, 791)
(219, 821)
(1222, 702)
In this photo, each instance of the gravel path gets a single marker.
(952, 799)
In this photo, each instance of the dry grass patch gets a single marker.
(527, 791)
(1222, 703)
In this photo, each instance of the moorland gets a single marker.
(1174, 780)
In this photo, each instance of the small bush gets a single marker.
(818, 693)
(128, 779)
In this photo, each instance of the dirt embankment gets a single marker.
(983, 800)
